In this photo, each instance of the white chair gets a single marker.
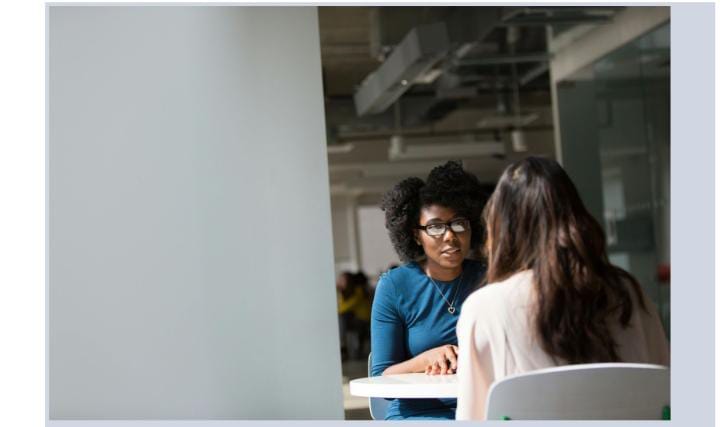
(378, 405)
(598, 391)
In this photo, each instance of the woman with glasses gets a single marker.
(434, 226)
(553, 297)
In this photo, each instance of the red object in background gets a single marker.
(663, 273)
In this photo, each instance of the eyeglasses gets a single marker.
(458, 225)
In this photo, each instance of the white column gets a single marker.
(190, 258)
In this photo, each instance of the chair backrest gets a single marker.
(598, 391)
(378, 405)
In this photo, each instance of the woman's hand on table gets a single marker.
(441, 360)
(431, 362)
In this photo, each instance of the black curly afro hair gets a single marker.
(449, 186)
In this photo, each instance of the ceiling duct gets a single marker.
(444, 54)
(464, 23)
(456, 31)
(421, 48)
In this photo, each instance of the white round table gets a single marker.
(409, 386)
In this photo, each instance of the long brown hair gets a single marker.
(536, 221)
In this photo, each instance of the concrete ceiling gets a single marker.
(356, 40)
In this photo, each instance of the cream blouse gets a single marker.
(496, 339)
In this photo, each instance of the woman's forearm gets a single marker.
(410, 366)
(439, 360)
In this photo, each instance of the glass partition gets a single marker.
(615, 143)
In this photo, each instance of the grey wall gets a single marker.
(190, 265)
(375, 246)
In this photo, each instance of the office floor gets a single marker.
(356, 408)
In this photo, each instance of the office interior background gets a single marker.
(408, 88)
(197, 157)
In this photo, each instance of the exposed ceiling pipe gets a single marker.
(554, 15)
(486, 127)
(533, 73)
(504, 59)
(555, 20)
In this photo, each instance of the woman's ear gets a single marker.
(417, 238)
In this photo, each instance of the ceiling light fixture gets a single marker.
(340, 148)
(399, 150)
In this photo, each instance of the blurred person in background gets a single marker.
(341, 284)
(354, 312)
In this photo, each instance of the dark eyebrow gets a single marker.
(434, 220)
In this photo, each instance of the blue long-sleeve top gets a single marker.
(409, 316)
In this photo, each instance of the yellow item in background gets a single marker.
(358, 304)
